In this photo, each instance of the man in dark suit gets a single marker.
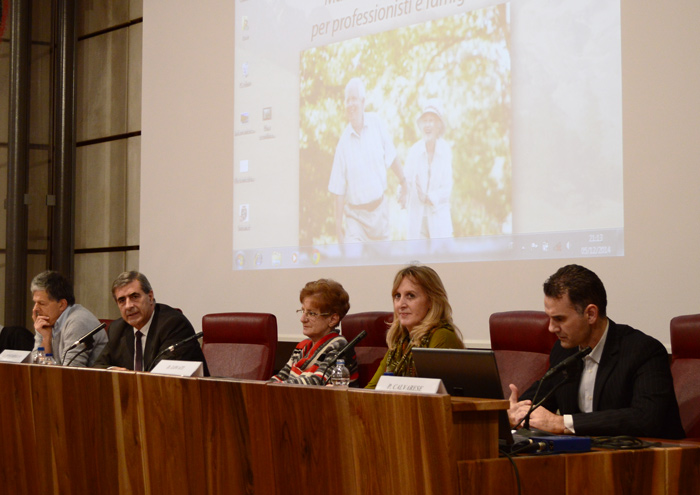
(623, 387)
(145, 329)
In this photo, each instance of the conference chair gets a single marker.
(107, 323)
(371, 350)
(685, 368)
(521, 343)
(240, 345)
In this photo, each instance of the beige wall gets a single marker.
(186, 246)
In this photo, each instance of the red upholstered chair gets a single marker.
(371, 350)
(240, 345)
(521, 342)
(107, 323)
(685, 367)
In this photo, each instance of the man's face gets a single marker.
(134, 304)
(571, 328)
(45, 306)
(354, 106)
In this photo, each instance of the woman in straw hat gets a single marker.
(429, 175)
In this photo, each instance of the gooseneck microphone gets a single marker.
(566, 363)
(351, 344)
(87, 338)
(345, 349)
(170, 349)
(562, 366)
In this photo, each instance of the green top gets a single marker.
(443, 336)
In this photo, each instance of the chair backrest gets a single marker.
(371, 350)
(240, 345)
(521, 341)
(685, 368)
(107, 323)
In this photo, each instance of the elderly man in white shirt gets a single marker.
(358, 177)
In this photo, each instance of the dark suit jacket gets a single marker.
(17, 338)
(633, 393)
(169, 326)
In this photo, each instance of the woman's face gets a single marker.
(411, 303)
(431, 125)
(316, 323)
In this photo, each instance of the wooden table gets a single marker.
(71, 430)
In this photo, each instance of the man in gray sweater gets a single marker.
(59, 322)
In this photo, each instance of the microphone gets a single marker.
(345, 349)
(562, 366)
(175, 346)
(351, 344)
(566, 363)
(87, 338)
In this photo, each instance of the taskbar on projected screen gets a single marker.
(546, 245)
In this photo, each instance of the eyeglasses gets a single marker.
(310, 314)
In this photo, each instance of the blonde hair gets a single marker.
(439, 314)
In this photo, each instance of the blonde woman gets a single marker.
(422, 318)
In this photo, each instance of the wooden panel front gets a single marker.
(683, 470)
(172, 434)
(18, 443)
(79, 435)
(236, 437)
(311, 439)
(631, 472)
(403, 443)
(538, 475)
(67, 430)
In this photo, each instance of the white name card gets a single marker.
(410, 384)
(179, 368)
(14, 356)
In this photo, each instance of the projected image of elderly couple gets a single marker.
(405, 135)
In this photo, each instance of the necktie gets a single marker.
(138, 364)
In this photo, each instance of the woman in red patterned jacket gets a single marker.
(323, 304)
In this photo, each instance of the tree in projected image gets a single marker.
(464, 61)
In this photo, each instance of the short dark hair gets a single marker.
(330, 296)
(581, 285)
(56, 286)
(125, 278)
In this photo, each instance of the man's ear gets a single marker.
(591, 312)
(62, 305)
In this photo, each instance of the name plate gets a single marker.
(15, 356)
(410, 384)
(179, 368)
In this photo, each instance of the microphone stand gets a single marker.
(350, 345)
(534, 405)
(172, 348)
(87, 345)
